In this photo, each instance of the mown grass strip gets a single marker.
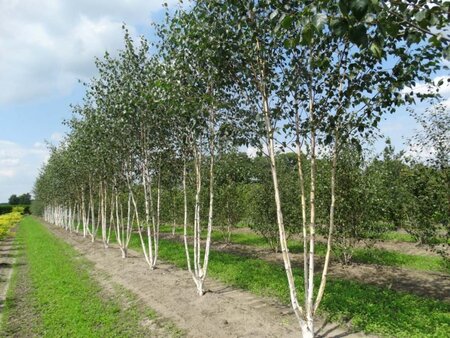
(69, 302)
(391, 258)
(371, 309)
(362, 255)
(396, 236)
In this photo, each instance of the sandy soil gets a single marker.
(8, 250)
(221, 312)
(406, 248)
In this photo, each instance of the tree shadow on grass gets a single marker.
(331, 330)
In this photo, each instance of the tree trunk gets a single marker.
(280, 222)
(331, 227)
(211, 195)
(302, 200)
(281, 230)
(185, 220)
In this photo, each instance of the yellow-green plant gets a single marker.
(7, 221)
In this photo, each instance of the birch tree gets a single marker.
(204, 118)
(341, 83)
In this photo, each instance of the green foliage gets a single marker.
(425, 205)
(8, 221)
(5, 208)
(24, 199)
(69, 302)
(427, 180)
(232, 175)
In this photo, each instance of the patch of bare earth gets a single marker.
(222, 312)
(7, 259)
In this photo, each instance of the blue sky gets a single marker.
(46, 47)
(49, 46)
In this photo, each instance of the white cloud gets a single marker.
(19, 167)
(55, 138)
(423, 88)
(251, 151)
(47, 45)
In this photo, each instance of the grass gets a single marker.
(362, 255)
(18, 308)
(59, 290)
(371, 309)
(396, 236)
(391, 258)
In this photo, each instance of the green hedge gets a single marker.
(5, 209)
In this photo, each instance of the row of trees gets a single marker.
(24, 199)
(309, 77)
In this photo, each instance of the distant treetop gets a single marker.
(24, 199)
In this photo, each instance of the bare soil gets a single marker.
(406, 248)
(8, 252)
(222, 312)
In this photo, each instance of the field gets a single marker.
(54, 292)
(64, 285)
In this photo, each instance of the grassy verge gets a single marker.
(396, 236)
(415, 262)
(59, 293)
(369, 308)
(363, 255)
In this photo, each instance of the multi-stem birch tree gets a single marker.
(342, 83)
(196, 61)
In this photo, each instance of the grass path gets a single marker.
(53, 294)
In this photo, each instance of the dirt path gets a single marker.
(222, 312)
(8, 251)
(423, 283)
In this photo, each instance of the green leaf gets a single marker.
(320, 21)
(307, 34)
(359, 8)
(358, 35)
(420, 16)
(292, 43)
(447, 53)
(376, 50)
(391, 28)
(286, 23)
(339, 26)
